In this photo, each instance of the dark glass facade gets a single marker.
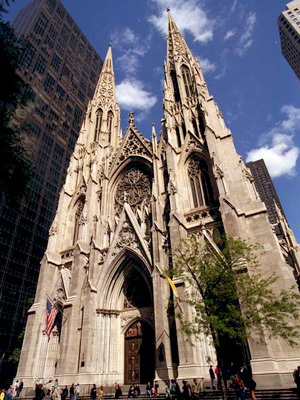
(62, 68)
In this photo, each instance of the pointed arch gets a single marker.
(200, 184)
(110, 117)
(117, 274)
(187, 80)
(79, 205)
(175, 85)
(98, 124)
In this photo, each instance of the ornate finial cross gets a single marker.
(131, 117)
(168, 9)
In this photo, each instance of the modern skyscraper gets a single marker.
(125, 205)
(289, 29)
(265, 188)
(62, 67)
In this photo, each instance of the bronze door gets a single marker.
(139, 353)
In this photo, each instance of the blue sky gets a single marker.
(237, 43)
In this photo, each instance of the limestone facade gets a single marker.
(125, 204)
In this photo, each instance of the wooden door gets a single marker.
(133, 342)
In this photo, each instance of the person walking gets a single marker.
(212, 377)
(296, 376)
(100, 393)
(54, 393)
(20, 387)
(72, 392)
(77, 391)
(186, 391)
(94, 392)
(64, 393)
(252, 387)
(168, 390)
(118, 391)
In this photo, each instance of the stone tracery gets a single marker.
(134, 188)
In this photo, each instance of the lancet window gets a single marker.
(99, 117)
(175, 85)
(78, 217)
(183, 129)
(196, 131)
(187, 80)
(178, 137)
(202, 194)
(201, 122)
(110, 117)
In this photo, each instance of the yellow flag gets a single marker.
(173, 287)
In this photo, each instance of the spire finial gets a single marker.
(168, 9)
(131, 118)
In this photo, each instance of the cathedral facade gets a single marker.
(126, 203)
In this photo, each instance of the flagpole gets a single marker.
(58, 309)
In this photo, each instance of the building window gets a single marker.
(175, 86)
(56, 61)
(187, 80)
(202, 193)
(40, 65)
(99, 116)
(110, 117)
(178, 137)
(78, 215)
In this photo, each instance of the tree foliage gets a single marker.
(230, 296)
(15, 152)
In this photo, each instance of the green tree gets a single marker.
(230, 302)
(15, 154)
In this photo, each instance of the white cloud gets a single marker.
(189, 17)
(131, 94)
(246, 38)
(207, 65)
(230, 34)
(129, 63)
(277, 146)
(233, 7)
(131, 49)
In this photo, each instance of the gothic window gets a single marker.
(202, 194)
(187, 80)
(183, 130)
(201, 122)
(175, 86)
(78, 215)
(178, 137)
(110, 117)
(99, 116)
(134, 187)
(196, 131)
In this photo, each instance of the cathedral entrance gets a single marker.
(139, 353)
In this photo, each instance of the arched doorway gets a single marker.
(139, 353)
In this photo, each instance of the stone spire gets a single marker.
(105, 105)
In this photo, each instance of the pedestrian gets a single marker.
(149, 390)
(186, 390)
(218, 373)
(212, 377)
(173, 389)
(239, 388)
(252, 387)
(20, 387)
(72, 392)
(9, 393)
(195, 390)
(137, 390)
(296, 376)
(77, 391)
(118, 391)
(156, 389)
(64, 393)
(94, 392)
(54, 394)
(131, 392)
(168, 390)
(100, 393)
(56, 383)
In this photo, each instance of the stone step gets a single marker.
(266, 394)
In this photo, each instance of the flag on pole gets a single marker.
(173, 287)
(51, 313)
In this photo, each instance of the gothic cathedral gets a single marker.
(125, 204)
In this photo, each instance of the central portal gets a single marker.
(139, 353)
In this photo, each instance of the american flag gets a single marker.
(50, 317)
